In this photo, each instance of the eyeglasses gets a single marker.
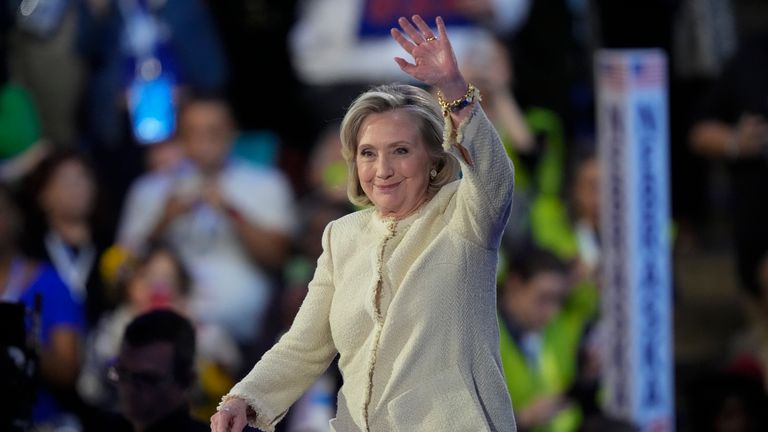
(118, 374)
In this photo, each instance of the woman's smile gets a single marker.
(392, 162)
(386, 188)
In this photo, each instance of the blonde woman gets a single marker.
(404, 291)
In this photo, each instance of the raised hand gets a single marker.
(434, 61)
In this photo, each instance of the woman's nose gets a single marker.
(384, 168)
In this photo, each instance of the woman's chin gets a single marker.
(389, 208)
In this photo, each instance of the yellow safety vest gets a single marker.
(557, 362)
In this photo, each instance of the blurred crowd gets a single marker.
(167, 168)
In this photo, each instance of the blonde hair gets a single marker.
(418, 103)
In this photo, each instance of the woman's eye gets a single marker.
(401, 150)
(366, 153)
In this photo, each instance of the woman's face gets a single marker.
(70, 191)
(155, 284)
(587, 191)
(392, 163)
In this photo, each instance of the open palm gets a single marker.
(434, 61)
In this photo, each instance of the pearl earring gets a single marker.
(433, 174)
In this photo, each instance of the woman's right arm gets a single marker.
(286, 371)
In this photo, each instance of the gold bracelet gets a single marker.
(456, 104)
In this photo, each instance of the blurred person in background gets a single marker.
(61, 321)
(154, 280)
(416, 334)
(154, 371)
(157, 279)
(231, 221)
(348, 41)
(542, 172)
(543, 318)
(20, 144)
(141, 56)
(570, 228)
(339, 47)
(704, 38)
(44, 58)
(163, 157)
(115, 35)
(726, 401)
(63, 226)
(326, 172)
(733, 127)
(489, 65)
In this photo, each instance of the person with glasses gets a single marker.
(153, 373)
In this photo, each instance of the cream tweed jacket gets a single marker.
(409, 306)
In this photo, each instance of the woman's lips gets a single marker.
(387, 187)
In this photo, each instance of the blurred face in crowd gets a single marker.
(392, 162)
(327, 170)
(733, 416)
(206, 131)
(70, 191)
(533, 303)
(586, 191)
(164, 156)
(147, 383)
(157, 283)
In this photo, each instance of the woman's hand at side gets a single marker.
(434, 61)
(231, 417)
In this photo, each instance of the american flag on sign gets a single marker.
(613, 74)
(648, 71)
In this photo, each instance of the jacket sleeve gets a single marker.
(287, 370)
(484, 196)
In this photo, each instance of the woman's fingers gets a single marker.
(216, 423)
(422, 25)
(231, 417)
(414, 34)
(404, 65)
(238, 423)
(407, 45)
(441, 28)
(227, 421)
(433, 61)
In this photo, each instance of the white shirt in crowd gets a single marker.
(327, 48)
(230, 289)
